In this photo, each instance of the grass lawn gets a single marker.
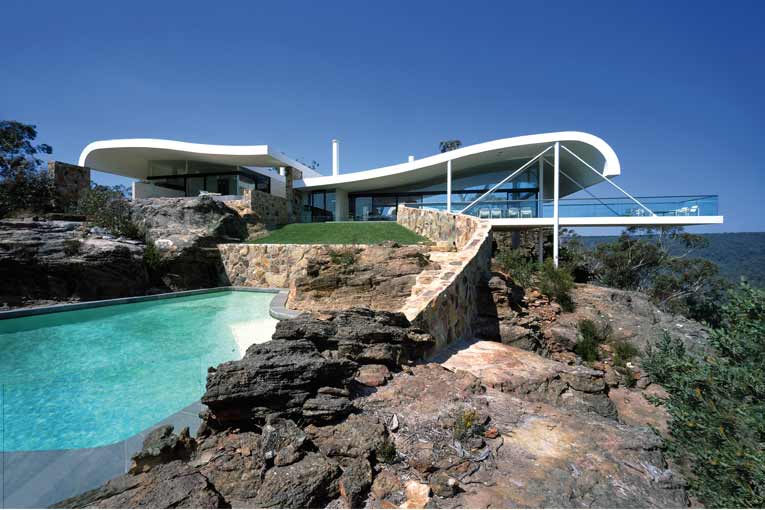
(366, 232)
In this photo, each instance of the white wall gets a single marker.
(143, 189)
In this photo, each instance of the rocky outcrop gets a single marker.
(633, 318)
(173, 485)
(425, 436)
(534, 378)
(303, 373)
(53, 261)
(532, 454)
(186, 231)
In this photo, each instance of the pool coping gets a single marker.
(45, 477)
(277, 308)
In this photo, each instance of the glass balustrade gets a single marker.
(699, 205)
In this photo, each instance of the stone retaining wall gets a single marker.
(444, 299)
(445, 302)
(329, 277)
(268, 209)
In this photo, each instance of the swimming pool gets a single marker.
(91, 377)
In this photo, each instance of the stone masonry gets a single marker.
(445, 301)
(69, 181)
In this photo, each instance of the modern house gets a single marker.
(525, 182)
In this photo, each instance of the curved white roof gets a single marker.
(129, 157)
(588, 147)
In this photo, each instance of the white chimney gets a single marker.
(335, 157)
(411, 158)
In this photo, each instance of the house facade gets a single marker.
(526, 182)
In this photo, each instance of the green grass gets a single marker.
(367, 232)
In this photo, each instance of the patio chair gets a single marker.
(526, 212)
(683, 211)
(496, 212)
(483, 212)
(693, 210)
(512, 212)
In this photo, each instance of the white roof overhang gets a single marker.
(590, 148)
(130, 157)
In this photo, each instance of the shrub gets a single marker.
(623, 351)
(29, 191)
(343, 256)
(153, 261)
(386, 452)
(591, 336)
(557, 284)
(717, 404)
(108, 208)
(467, 423)
(518, 266)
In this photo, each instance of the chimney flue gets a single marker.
(335, 157)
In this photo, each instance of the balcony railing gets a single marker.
(697, 205)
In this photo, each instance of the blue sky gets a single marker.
(676, 88)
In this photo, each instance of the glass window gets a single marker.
(194, 185)
(362, 207)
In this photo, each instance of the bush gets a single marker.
(28, 192)
(557, 283)
(623, 352)
(518, 266)
(386, 452)
(467, 423)
(591, 336)
(343, 256)
(717, 404)
(108, 208)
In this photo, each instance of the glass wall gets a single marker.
(512, 196)
(191, 177)
(318, 206)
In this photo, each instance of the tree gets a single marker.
(449, 145)
(23, 186)
(658, 261)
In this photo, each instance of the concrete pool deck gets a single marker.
(38, 479)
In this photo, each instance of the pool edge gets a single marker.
(277, 308)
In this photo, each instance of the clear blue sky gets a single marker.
(675, 88)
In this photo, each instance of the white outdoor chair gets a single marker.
(496, 212)
(683, 211)
(693, 210)
(483, 212)
(526, 212)
(512, 212)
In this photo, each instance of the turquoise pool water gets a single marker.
(93, 377)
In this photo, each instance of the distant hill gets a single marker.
(737, 253)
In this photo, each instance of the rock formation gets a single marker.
(43, 262)
(185, 232)
(297, 424)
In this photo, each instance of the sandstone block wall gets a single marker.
(266, 265)
(264, 208)
(320, 277)
(69, 181)
(445, 301)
